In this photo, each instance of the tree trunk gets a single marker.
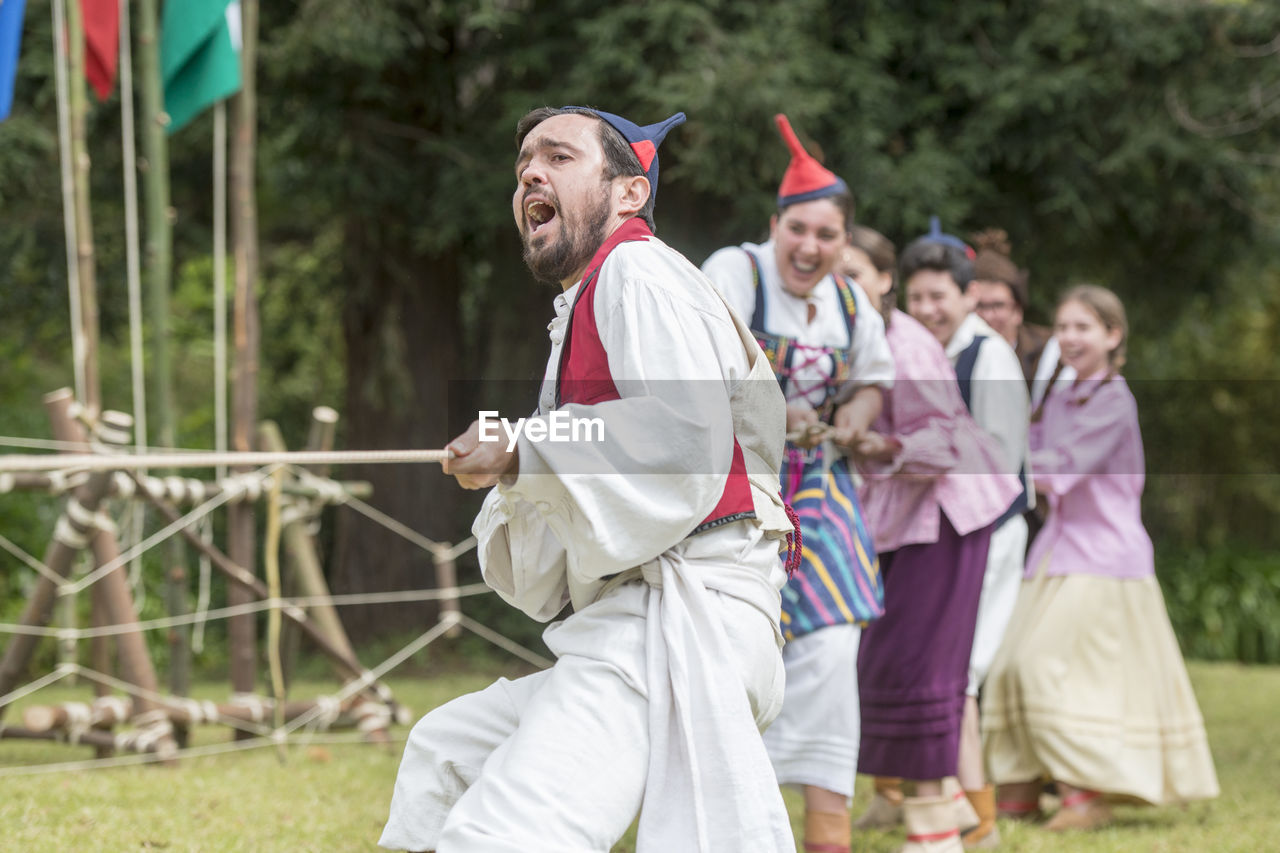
(402, 335)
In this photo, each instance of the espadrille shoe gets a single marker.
(1084, 810)
(966, 817)
(986, 835)
(931, 825)
(885, 809)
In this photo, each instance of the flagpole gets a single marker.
(244, 380)
(133, 274)
(79, 106)
(159, 269)
(60, 62)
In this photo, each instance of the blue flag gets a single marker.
(10, 38)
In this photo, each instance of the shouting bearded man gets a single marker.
(663, 536)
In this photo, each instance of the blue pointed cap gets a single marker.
(644, 141)
(936, 235)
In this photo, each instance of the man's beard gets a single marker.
(578, 241)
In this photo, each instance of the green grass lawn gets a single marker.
(333, 796)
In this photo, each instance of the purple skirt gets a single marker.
(913, 662)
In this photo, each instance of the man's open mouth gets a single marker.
(538, 213)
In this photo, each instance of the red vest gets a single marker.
(583, 376)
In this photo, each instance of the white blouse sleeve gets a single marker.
(730, 271)
(871, 362)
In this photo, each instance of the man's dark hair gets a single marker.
(619, 159)
(926, 254)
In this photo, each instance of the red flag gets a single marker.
(101, 43)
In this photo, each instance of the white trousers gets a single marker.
(814, 741)
(556, 762)
(1006, 559)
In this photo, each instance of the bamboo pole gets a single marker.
(447, 582)
(113, 711)
(79, 105)
(244, 396)
(104, 742)
(159, 269)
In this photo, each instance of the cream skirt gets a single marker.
(1089, 688)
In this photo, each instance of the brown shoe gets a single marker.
(1083, 811)
(984, 836)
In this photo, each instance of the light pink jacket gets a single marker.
(946, 464)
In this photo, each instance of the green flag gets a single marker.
(199, 56)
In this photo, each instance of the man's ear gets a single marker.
(631, 193)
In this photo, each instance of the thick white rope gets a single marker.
(404, 530)
(43, 443)
(64, 670)
(396, 597)
(60, 65)
(150, 542)
(502, 642)
(208, 459)
(370, 676)
(40, 568)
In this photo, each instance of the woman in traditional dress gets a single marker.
(828, 349)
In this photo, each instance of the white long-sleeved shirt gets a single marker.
(998, 397)
(580, 512)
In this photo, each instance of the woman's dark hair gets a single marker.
(927, 254)
(843, 200)
(619, 159)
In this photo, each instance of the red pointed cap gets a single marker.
(805, 179)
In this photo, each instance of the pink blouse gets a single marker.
(1087, 459)
(946, 464)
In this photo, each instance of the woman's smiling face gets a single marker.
(1086, 342)
(807, 238)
